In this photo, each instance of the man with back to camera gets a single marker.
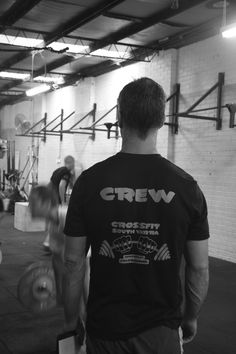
(141, 214)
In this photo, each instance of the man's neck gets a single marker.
(132, 144)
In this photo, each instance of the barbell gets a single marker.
(37, 288)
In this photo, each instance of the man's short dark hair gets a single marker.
(142, 106)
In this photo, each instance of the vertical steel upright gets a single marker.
(61, 125)
(221, 81)
(94, 119)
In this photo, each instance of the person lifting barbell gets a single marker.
(40, 287)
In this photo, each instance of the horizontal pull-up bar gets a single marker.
(73, 132)
(181, 114)
(104, 130)
(35, 135)
(194, 116)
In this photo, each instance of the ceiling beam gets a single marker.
(186, 37)
(17, 11)
(9, 95)
(80, 20)
(114, 37)
(133, 28)
(125, 32)
(123, 17)
(136, 27)
(77, 21)
(30, 70)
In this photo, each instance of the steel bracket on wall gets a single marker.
(57, 130)
(74, 128)
(174, 120)
(108, 126)
(191, 112)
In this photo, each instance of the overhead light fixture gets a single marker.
(111, 54)
(12, 75)
(36, 90)
(217, 5)
(21, 41)
(72, 48)
(37, 42)
(48, 79)
(117, 62)
(229, 31)
(11, 93)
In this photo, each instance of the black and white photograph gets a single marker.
(117, 177)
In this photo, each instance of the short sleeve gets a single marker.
(66, 177)
(1, 205)
(62, 212)
(75, 221)
(199, 227)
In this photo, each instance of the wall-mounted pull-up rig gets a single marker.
(57, 129)
(108, 126)
(191, 113)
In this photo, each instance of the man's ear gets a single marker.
(118, 116)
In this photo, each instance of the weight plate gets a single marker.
(37, 288)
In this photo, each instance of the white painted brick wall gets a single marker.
(210, 155)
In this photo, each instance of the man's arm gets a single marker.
(62, 190)
(196, 285)
(73, 279)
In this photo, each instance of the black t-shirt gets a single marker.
(138, 211)
(61, 173)
(1, 205)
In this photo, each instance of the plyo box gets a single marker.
(23, 220)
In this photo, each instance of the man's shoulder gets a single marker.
(99, 166)
(171, 170)
(62, 212)
(177, 171)
(60, 170)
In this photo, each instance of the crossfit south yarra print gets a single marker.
(138, 242)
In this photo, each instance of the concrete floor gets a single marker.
(24, 333)
(20, 331)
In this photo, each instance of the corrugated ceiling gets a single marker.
(134, 22)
